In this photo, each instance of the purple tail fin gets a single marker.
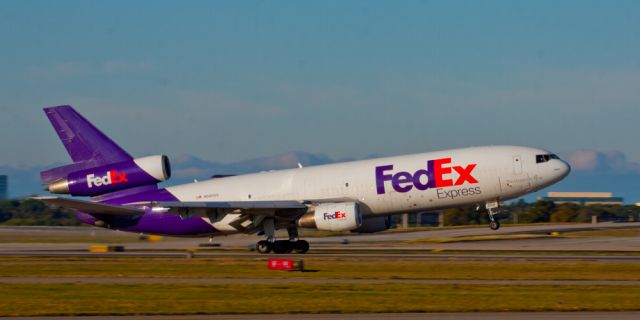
(87, 146)
(83, 140)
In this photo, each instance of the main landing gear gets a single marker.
(493, 208)
(281, 246)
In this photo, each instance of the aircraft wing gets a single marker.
(92, 207)
(254, 208)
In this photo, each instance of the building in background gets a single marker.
(4, 187)
(585, 198)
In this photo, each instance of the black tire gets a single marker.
(301, 246)
(282, 246)
(494, 225)
(264, 246)
(290, 246)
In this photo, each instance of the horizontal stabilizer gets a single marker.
(59, 173)
(91, 207)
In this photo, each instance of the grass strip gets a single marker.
(346, 268)
(156, 299)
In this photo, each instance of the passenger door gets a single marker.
(516, 182)
(517, 164)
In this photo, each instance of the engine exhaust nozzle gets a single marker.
(59, 187)
(307, 220)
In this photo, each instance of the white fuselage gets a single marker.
(473, 176)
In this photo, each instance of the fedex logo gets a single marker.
(112, 177)
(335, 215)
(434, 176)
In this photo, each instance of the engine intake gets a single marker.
(114, 177)
(341, 216)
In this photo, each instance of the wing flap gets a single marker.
(253, 208)
(91, 207)
(233, 204)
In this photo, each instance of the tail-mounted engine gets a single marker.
(114, 177)
(341, 216)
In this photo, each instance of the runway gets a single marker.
(329, 254)
(76, 238)
(69, 241)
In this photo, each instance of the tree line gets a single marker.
(31, 212)
(543, 211)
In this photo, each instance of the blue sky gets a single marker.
(232, 80)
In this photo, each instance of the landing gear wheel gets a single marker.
(290, 247)
(282, 246)
(493, 208)
(301, 246)
(264, 246)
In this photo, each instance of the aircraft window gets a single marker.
(542, 158)
(553, 156)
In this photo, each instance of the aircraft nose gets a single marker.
(562, 169)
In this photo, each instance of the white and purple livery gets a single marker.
(357, 196)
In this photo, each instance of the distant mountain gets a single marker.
(187, 168)
(591, 171)
(26, 181)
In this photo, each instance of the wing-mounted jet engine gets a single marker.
(341, 216)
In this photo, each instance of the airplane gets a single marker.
(358, 196)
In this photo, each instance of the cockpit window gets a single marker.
(543, 158)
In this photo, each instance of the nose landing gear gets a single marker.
(494, 225)
(493, 208)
